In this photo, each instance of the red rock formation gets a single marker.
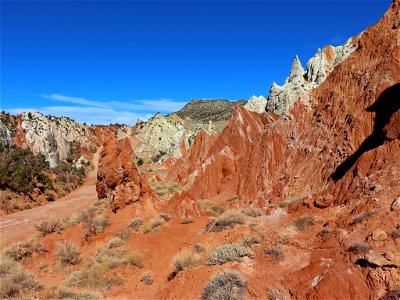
(336, 153)
(262, 157)
(118, 177)
(183, 205)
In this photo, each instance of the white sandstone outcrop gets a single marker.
(256, 104)
(55, 137)
(5, 135)
(281, 98)
(164, 133)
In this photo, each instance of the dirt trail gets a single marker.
(19, 226)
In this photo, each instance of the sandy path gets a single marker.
(19, 226)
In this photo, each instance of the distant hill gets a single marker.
(205, 110)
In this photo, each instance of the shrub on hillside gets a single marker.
(250, 241)
(359, 248)
(227, 219)
(92, 222)
(61, 293)
(274, 254)
(68, 254)
(229, 252)
(22, 250)
(392, 295)
(135, 223)
(361, 217)
(185, 259)
(304, 223)
(46, 227)
(146, 278)
(14, 281)
(253, 211)
(229, 284)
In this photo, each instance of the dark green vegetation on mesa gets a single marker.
(205, 110)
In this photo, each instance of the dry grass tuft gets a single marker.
(185, 259)
(135, 258)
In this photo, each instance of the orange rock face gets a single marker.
(118, 178)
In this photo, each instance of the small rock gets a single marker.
(382, 259)
(324, 201)
(395, 204)
(379, 235)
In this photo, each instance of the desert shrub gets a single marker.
(274, 254)
(304, 223)
(253, 227)
(154, 223)
(249, 241)
(187, 220)
(253, 211)
(198, 248)
(71, 220)
(22, 250)
(115, 242)
(275, 295)
(135, 223)
(392, 295)
(135, 258)
(361, 217)
(229, 252)
(395, 234)
(92, 222)
(14, 281)
(146, 278)
(157, 221)
(228, 219)
(359, 248)
(94, 276)
(61, 293)
(229, 284)
(110, 258)
(165, 216)
(68, 254)
(185, 259)
(123, 233)
(46, 227)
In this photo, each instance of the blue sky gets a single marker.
(116, 61)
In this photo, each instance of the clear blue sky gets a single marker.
(111, 61)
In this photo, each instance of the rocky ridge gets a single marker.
(203, 111)
(282, 98)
